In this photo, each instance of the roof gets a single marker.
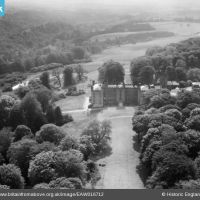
(96, 87)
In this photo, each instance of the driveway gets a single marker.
(119, 171)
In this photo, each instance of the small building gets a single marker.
(114, 95)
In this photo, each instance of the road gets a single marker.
(119, 171)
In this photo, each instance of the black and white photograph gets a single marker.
(99, 94)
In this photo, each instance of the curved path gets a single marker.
(119, 171)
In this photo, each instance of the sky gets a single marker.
(62, 4)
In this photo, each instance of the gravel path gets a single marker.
(119, 171)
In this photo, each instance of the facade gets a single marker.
(114, 95)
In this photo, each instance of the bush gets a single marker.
(50, 133)
(22, 131)
(10, 175)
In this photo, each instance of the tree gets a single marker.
(181, 64)
(5, 141)
(180, 74)
(22, 131)
(59, 120)
(44, 78)
(80, 71)
(136, 65)
(6, 104)
(191, 184)
(43, 96)
(19, 154)
(194, 74)
(68, 76)
(50, 114)
(111, 73)
(193, 122)
(171, 168)
(87, 146)
(147, 75)
(56, 73)
(171, 73)
(69, 142)
(48, 166)
(185, 97)
(10, 175)
(99, 133)
(78, 53)
(33, 112)
(50, 133)
(17, 116)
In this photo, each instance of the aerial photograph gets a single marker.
(99, 94)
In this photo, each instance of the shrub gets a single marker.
(22, 131)
(10, 175)
(50, 133)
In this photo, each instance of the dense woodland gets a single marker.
(167, 126)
